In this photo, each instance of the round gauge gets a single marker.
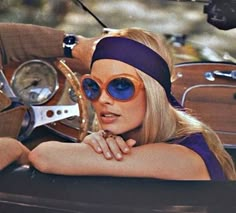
(35, 82)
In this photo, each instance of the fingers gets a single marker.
(93, 140)
(98, 143)
(116, 147)
(131, 142)
(105, 149)
(110, 145)
(122, 146)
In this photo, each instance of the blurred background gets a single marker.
(183, 22)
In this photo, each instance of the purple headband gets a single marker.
(137, 55)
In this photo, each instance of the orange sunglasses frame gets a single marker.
(138, 84)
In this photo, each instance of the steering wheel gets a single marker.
(74, 82)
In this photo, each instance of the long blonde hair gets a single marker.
(168, 121)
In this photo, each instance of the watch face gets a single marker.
(71, 39)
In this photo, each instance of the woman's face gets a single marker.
(117, 116)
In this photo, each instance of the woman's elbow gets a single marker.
(38, 157)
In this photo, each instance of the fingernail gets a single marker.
(126, 149)
(108, 154)
(99, 149)
(118, 155)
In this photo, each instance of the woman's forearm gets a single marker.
(69, 159)
(12, 150)
(153, 160)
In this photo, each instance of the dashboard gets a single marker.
(50, 86)
(206, 89)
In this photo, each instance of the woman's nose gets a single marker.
(105, 98)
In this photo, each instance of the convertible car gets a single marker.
(205, 85)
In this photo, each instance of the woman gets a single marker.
(145, 132)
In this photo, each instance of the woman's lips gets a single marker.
(108, 117)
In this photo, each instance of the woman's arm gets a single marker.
(161, 160)
(12, 150)
(110, 146)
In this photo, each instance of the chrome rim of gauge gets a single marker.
(35, 82)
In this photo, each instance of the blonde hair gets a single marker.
(168, 121)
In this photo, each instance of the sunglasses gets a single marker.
(120, 87)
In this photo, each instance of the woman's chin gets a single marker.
(113, 130)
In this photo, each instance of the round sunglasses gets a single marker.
(122, 87)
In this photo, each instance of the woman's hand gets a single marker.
(110, 145)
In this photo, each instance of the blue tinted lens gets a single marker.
(91, 88)
(121, 88)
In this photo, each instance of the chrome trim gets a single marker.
(5, 87)
(203, 85)
(53, 70)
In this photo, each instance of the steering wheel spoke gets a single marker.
(49, 114)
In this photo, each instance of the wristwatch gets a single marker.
(69, 41)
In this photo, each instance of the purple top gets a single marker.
(197, 143)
